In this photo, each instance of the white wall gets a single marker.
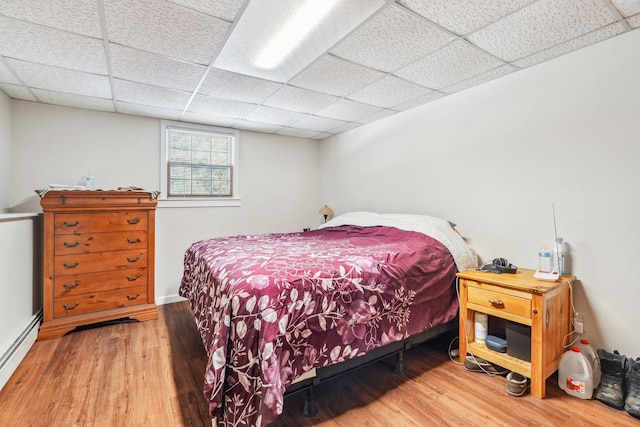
(51, 144)
(494, 158)
(5, 152)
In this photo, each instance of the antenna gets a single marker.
(555, 273)
(555, 228)
(555, 231)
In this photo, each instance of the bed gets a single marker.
(276, 309)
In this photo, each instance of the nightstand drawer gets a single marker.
(513, 304)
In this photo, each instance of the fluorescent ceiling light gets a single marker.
(294, 32)
(276, 39)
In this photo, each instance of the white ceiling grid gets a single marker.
(161, 58)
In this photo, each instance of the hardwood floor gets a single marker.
(150, 374)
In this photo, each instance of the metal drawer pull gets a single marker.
(134, 241)
(68, 224)
(133, 221)
(133, 279)
(134, 259)
(65, 265)
(67, 308)
(75, 285)
(130, 298)
(495, 301)
(72, 245)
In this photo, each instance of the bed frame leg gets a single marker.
(309, 409)
(399, 369)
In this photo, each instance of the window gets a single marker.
(199, 165)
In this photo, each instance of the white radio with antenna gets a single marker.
(554, 274)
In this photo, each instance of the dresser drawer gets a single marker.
(98, 282)
(67, 244)
(71, 265)
(98, 301)
(77, 223)
(519, 305)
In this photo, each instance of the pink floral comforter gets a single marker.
(271, 307)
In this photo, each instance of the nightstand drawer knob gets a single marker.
(71, 245)
(496, 301)
(131, 298)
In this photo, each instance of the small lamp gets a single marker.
(326, 212)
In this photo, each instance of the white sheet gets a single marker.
(464, 257)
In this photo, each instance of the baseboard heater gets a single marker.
(12, 357)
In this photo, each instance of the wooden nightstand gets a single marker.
(519, 297)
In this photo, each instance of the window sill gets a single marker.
(198, 203)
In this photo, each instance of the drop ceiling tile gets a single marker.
(299, 133)
(76, 101)
(389, 91)
(274, 116)
(223, 9)
(345, 127)
(17, 92)
(152, 96)
(463, 16)
(77, 16)
(301, 100)
(575, 44)
(207, 119)
(391, 39)
(165, 28)
(456, 62)
(153, 69)
(634, 22)
(381, 115)
(35, 43)
(225, 84)
(6, 76)
(627, 8)
(322, 136)
(147, 111)
(540, 26)
(481, 78)
(220, 107)
(321, 124)
(348, 110)
(61, 80)
(419, 101)
(335, 76)
(256, 127)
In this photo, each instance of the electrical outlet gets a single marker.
(579, 323)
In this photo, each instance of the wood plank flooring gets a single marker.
(150, 374)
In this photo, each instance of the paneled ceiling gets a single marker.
(169, 59)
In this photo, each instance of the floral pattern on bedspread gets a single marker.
(271, 307)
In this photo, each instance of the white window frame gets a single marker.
(198, 201)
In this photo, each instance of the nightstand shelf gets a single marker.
(520, 298)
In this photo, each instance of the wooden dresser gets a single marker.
(98, 258)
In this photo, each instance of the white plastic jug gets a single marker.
(575, 375)
(590, 353)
